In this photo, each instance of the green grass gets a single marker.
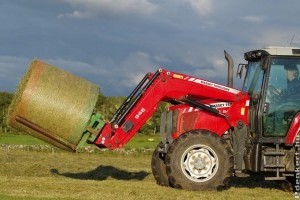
(30, 175)
(73, 176)
(143, 141)
(137, 142)
(16, 139)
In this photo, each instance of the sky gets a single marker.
(114, 43)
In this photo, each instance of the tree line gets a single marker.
(106, 105)
(5, 100)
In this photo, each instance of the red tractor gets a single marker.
(212, 131)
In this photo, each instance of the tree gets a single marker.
(5, 100)
(153, 123)
(107, 106)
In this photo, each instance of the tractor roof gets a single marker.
(277, 50)
(272, 50)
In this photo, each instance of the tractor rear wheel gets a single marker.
(158, 166)
(199, 160)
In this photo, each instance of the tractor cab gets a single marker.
(272, 81)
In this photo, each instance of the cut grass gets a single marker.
(107, 175)
(143, 141)
(14, 139)
(137, 142)
(69, 176)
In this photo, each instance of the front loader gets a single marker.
(209, 132)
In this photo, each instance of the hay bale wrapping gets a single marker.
(56, 101)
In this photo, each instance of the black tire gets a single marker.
(158, 166)
(289, 184)
(199, 160)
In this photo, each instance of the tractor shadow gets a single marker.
(103, 173)
(257, 180)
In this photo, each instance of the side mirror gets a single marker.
(240, 70)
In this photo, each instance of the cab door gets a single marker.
(282, 102)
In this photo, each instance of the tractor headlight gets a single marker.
(253, 55)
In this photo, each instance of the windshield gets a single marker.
(284, 71)
(253, 78)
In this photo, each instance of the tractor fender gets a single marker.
(293, 131)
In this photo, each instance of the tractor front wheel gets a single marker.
(158, 166)
(199, 160)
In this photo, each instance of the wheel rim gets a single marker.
(199, 163)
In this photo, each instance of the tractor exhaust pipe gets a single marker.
(230, 69)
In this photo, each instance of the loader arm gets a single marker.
(168, 87)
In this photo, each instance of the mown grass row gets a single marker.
(107, 175)
(137, 142)
(70, 176)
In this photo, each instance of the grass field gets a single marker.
(108, 175)
(137, 142)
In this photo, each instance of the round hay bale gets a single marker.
(57, 103)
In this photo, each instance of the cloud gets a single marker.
(216, 71)
(202, 7)
(93, 8)
(162, 59)
(117, 41)
(78, 14)
(10, 65)
(273, 37)
(120, 75)
(254, 19)
(11, 70)
(132, 69)
(114, 77)
(78, 67)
